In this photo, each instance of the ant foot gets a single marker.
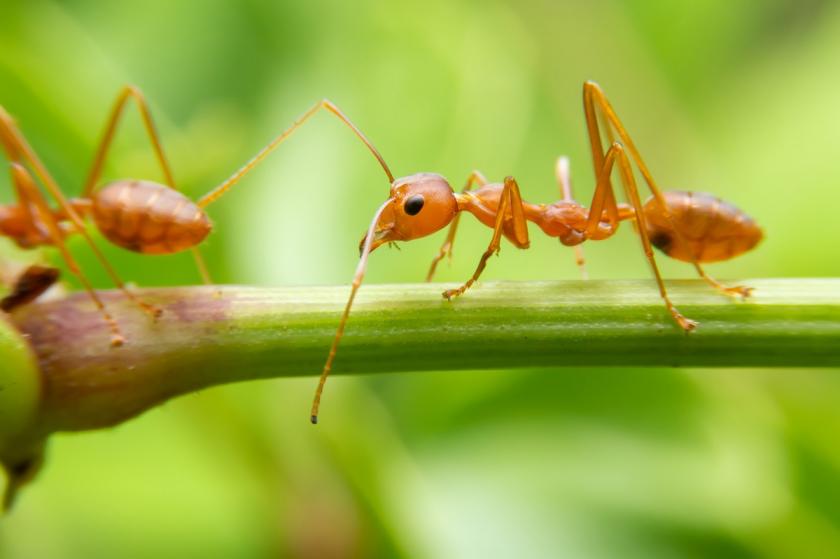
(117, 340)
(450, 293)
(741, 291)
(685, 323)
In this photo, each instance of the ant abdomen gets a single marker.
(710, 229)
(148, 217)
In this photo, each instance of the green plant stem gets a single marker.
(58, 371)
(214, 335)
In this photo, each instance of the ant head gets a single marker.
(419, 205)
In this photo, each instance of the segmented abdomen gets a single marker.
(710, 229)
(148, 217)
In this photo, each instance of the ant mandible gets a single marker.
(692, 227)
(138, 215)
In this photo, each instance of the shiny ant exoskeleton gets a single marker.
(692, 227)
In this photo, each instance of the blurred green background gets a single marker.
(738, 98)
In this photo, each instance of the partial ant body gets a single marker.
(692, 227)
(141, 216)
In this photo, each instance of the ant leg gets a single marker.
(616, 153)
(45, 218)
(19, 151)
(595, 100)
(595, 104)
(593, 128)
(565, 182)
(217, 192)
(8, 135)
(127, 93)
(510, 208)
(202, 266)
(733, 291)
(476, 177)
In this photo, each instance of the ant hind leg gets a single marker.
(603, 206)
(19, 151)
(616, 153)
(26, 184)
(741, 291)
(127, 93)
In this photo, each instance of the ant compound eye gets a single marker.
(414, 204)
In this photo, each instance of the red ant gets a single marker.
(692, 227)
(141, 216)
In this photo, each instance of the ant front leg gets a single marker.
(127, 93)
(510, 210)
(565, 182)
(475, 178)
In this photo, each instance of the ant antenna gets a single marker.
(217, 192)
(357, 282)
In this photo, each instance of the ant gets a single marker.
(692, 227)
(137, 215)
